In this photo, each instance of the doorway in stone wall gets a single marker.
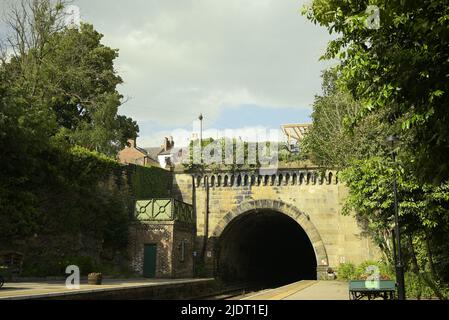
(149, 260)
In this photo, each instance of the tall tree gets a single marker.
(400, 66)
(58, 92)
(68, 70)
(330, 142)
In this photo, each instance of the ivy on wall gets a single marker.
(149, 182)
(79, 212)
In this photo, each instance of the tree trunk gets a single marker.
(429, 282)
(430, 257)
(415, 266)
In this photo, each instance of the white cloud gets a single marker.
(180, 58)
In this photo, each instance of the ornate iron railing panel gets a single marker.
(164, 210)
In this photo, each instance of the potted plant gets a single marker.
(95, 279)
(331, 274)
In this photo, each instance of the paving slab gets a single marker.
(281, 292)
(306, 290)
(323, 290)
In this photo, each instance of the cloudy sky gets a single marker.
(244, 64)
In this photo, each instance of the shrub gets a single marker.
(417, 288)
(349, 271)
(86, 264)
(346, 271)
(386, 272)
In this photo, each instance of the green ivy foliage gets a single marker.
(150, 182)
(61, 198)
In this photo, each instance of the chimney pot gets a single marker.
(132, 143)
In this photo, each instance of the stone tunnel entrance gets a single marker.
(267, 247)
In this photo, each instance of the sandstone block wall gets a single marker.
(319, 198)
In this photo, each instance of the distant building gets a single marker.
(132, 154)
(295, 133)
(163, 156)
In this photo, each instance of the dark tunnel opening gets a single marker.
(265, 247)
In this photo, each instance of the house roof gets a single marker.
(153, 153)
(143, 151)
(167, 153)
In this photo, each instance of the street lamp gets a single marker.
(206, 182)
(201, 136)
(399, 266)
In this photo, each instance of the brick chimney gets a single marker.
(132, 143)
(168, 144)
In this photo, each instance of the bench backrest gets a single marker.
(12, 261)
(372, 285)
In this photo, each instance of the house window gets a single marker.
(167, 161)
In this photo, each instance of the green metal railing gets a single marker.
(164, 210)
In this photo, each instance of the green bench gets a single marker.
(10, 265)
(372, 289)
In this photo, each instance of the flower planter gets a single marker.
(331, 274)
(95, 279)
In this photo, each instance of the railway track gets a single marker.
(236, 291)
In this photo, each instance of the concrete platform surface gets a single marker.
(323, 290)
(55, 289)
(306, 290)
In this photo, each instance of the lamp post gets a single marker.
(201, 136)
(399, 266)
(206, 185)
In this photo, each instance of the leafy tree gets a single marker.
(69, 71)
(397, 76)
(424, 212)
(401, 68)
(60, 201)
(24, 132)
(329, 142)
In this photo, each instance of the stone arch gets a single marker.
(329, 180)
(239, 180)
(287, 179)
(322, 178)
(301, 218)
(245, 180)
(253, 180)
(266, 178)
(226, 181)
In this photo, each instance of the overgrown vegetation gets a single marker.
(150, 182)
(349, 271)
(391, 80)
(63, 198)
(415, 287)
(233, 154)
